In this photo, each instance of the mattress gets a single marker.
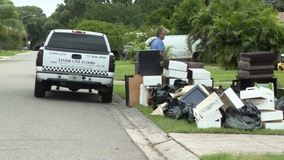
(255, 74)
(243, 65)
(258, 57)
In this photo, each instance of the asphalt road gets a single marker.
(63, 125)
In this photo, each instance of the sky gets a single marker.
(48, 6)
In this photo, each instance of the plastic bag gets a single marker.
(175, 112)
(176, 109)
(280, 103)
(190, 116)
(160, 94)
(178, 83)
(248, 117)
(220, 91)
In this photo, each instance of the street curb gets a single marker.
(154, 142)
(2, 58)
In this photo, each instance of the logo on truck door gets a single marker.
(86, 61)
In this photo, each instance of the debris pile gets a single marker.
(177, 91)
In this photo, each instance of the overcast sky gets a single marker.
(48, 6)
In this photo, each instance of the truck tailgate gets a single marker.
(72, 61)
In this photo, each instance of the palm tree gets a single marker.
(11, 29)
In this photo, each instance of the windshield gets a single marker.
(78, 41)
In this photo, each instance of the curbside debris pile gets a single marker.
(180, 90)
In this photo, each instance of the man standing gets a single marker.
(158, 44)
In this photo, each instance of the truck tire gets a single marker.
(39, 90)
(107, 95)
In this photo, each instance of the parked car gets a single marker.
(76, 60)
(178, 44)
(125, 51)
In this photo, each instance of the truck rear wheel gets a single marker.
(39, 90)
(107, 95)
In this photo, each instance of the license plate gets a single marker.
(75, 78)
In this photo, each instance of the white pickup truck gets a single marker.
(76, 60)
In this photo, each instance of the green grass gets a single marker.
(226, 156)
(221, 77)
(119, 89)
(11, 53)
(123, 68)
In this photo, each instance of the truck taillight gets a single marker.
(111, 64)
(39, 58)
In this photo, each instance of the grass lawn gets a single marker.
(11, 52)
(225, 156)
(220, 77)
(123, 68)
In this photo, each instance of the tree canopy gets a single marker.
(11, 28)
(228, 28)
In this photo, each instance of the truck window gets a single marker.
(78, 41)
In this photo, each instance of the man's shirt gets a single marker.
(158, 44)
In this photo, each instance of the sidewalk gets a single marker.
(179, 146)
(204, 144)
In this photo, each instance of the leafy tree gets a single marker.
(184, 13)
(129, 15)
(148, 6)
(51, 24)
(159, 16)
(61, 15)
(119, 13)
(11, 28)
(76, 8)
(104, 13)
(33, 19)
(126, 12)
(114, 32)
(228, 28)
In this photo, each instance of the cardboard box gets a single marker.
(263, 104)
(198, 73)
(132, 89)
(274, 125)
(208, 124)
(255, 92)
(209, 105)
(175, 65)
(174, 73)
(230, 98)
(271, 115)
(152, 80)
(213, 116)
(206, 82)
